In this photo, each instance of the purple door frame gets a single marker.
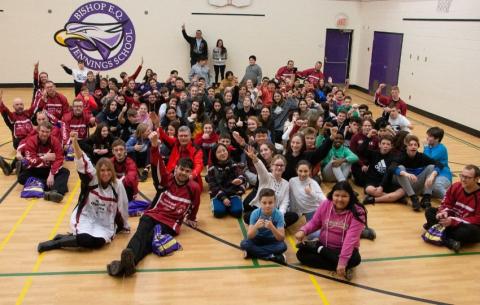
(337, 54)
(386, 57)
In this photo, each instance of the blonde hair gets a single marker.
(141, 128)
(109, 164)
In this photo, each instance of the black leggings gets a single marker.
(141, 242)
(465, 233)
(220, 69)
(88, 241)
(326, 259)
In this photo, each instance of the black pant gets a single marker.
(465, 233)
(220, 69)
(140, 158)
(290, 217)
(88, 241)
(326, 259)
(60, 179)
(359, 176)
(141, 242)
(246, 201)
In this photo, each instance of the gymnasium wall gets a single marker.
(440, 65)
(290, 29)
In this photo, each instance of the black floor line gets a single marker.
(8, 191)
(378, 290)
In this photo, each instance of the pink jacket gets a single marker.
(338, 230)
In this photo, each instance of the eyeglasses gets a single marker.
(466, 177)
(279, 165)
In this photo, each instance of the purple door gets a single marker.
(337, 55)
(386, 55)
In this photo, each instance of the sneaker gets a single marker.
(453, 244)
(5, 167)
(128, 262)
(279, 258)
(143, 175)
(53, 196)
(426, 227)
(425, 202)
(115, 268)
(368, 233)
(415, 204)
(246, 255)
(48, 245)
(349, 274)
(368, 200)
(60, 236)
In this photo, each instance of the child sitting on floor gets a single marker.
(266, 231)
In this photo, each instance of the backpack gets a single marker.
(33, 188)
(435, 235)
(163, 244)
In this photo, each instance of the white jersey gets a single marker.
(80, 76)
(97, 216)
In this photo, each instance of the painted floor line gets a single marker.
(244, 233)
(397, 258)
(150, 270)
(61, 216)
(312, 278)
(17, 224)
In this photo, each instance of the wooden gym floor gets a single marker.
(397, 268)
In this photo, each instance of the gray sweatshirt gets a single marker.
(253, 72)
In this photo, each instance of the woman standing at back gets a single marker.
(219, 56)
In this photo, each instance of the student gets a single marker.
(179, 203)
(44, 160)
(206, 140)
(270, 180)
(138, 147)
(125, 168)
(79, 75)
(305, 193)
(226, 183)
(340, 219)
(338, 162)
(219, 58)
(266, 233)
(460, 211)
(398, 121)
(102, 208)
(438, 152)
(128, 125)
(377, 171)
(253, 71)
(415, 173)
(99, 145)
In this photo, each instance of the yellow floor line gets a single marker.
(17, 224)
(66, 207)
(312, 278)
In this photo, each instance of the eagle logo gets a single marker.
(98, 33)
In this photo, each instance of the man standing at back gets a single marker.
(198, 46)
(252, 72)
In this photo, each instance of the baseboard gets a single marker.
(30, 85)
(432, 116)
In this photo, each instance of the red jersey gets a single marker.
(34, 149)
(22, 123)
(56, 106)
(127, 169)
(384, 101)
(312, 75)
(284, 72)
(461, 206)
(177, 201)
(80, 124)
(89, 104)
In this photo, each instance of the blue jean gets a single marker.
(440, 187)
(263, 247)
(220, 210)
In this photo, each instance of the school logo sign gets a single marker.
(99, 33)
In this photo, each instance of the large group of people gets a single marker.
(267, 147)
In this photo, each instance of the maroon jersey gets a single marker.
(80, 124)
(34, 149)
(22, 123)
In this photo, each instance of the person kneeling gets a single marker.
(178, 203)
(340, 219)
(266, 231)
(102, 208)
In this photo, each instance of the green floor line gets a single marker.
(154, 270)
(244, 233)
(397, 258)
